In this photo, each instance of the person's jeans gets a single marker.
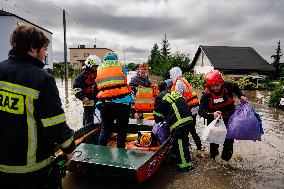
(111, 112)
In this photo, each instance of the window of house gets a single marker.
(75, 65)
(86, 54)
(75, 54)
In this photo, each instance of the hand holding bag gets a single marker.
(215, 132)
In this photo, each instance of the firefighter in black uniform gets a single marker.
(172, 108)
(32, 119)
(216, 100)
(85, 88)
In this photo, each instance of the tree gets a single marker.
(276, 62)
(132, 66)
(162, 61)
(154, 60)
(181, 60)
(165, 51)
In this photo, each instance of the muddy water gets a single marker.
(254, 164)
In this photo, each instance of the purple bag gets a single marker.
(161, 131)
(243, 124)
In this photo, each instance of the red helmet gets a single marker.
(213, 77)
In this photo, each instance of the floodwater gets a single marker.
(254, 164)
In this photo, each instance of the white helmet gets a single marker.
(92, 60)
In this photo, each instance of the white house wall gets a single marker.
(203, 64)
(7, 24)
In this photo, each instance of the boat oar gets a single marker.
(79, 140)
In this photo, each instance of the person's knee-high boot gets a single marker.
(227, 149)
(181, 149)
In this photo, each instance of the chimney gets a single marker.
(95, 46)
(82, 46)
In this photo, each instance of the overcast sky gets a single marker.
(136, 25)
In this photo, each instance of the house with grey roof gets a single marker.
(230, 61)
(8, 22)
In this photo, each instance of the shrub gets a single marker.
(197, 81)
(276, 96)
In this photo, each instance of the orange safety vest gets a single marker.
(145, 99)
(189, 95)
(111, 81)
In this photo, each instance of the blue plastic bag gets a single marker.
(259, 121)
(161, 131)
(243, 124)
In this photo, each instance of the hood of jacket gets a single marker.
(175, 73)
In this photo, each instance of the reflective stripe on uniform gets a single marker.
(183, 163)
(110, 79)
(53, 120)
(30, 94)
(19, 89)
(157, 114)
(145, 101)
(168, 98)
(26, 168)
(179, 122)
(112, 82)
(32, 133)
(145, 90)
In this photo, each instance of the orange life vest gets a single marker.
(145, 99)
(111, 81)
(189, 95)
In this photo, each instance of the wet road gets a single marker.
(254, 164)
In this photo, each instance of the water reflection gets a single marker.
(72, 106)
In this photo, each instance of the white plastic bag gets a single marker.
(215, 132)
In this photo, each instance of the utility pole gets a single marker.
(124, 57)
(65, 48)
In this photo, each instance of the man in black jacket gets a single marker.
(216, 100)
(172, 108)
(85, 88)
(32, 119)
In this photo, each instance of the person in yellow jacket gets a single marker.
(32, 119)
(114, 99)
(181, 85)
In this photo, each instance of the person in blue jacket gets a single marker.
(114, 99)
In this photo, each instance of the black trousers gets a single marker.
(88, 115)
(194, 134)
(180, 147)
(228, 147)
(111, 112)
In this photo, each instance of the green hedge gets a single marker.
(276, 96)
